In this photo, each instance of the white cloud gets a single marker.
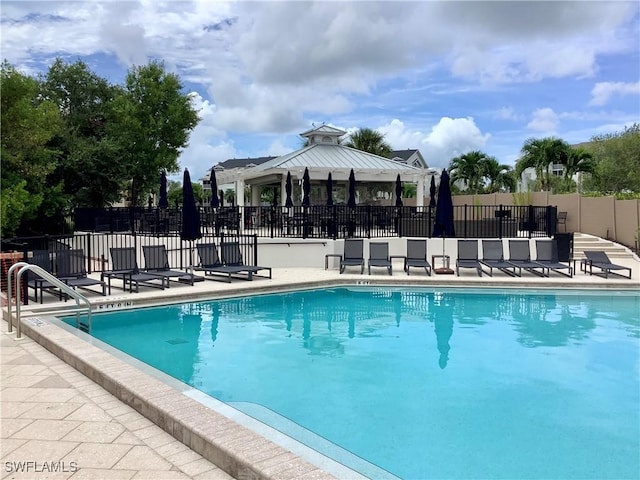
(507, 113)
(208, 145)
(603, 91)
(544, 120)
(268, 67)
(447, 139)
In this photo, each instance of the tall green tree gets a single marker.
(578, 160)
(155, 120)
(28, 124)
(541, 154)
(89, 165)
(369, 140)
(498, 177)
(469, 168)
(617, 158)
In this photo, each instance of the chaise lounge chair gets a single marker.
(417, 256)
(70, 268)
(212, 267)
(379, 256)
(492, 257)
(41, 258)
(468, 256)
(520, 256)
(156, 261)
(547, 255)
(353, 254)
(232, 257)
(599, 259)
(125, 267)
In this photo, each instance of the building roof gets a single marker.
(403, 154)
(242, 162)
(322, 154)
(332, 157)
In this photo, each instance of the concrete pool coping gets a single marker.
(235, 448)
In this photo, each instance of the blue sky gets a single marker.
(442, 77)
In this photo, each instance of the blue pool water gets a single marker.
(422, 383)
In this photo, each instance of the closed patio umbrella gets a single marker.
(306, 188)
(398, 191)
(287, 188)
(221, 195)
(444, 216)
(329, 191)
(432, 192)
(163, 201)
(190, 230)
(215, 201)
(351, 202)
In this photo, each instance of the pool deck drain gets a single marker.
(76, 408)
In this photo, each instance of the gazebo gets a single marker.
(322, 154)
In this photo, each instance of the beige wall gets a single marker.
(604, 217)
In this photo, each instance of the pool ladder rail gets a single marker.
(22, 267)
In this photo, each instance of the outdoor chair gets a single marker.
(70, 268)
(156, 261)
(599, 259)
(212, 267)
(42, 259)
(468, 256)
(520, 256)
(493, 257)
(232, 257)
(417, 256)
(547, 255)
(562, 220)
(379, 256)
(125, 267)
(353, 255)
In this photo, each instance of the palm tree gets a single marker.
(578, 160)
(468, 168)
(369, 140)
(540, 154)
(499, 176)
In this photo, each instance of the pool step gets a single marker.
(583, 242)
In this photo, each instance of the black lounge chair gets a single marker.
(520, 256)
(353, 254)
(493, 257)
(71, 269)
(232, 257)
(547, 255)
(125, 267)
(468, 256)
(42, 259)
(379, 256)
(599, 259)
(156, 261)
(417, 256)
(212, 267)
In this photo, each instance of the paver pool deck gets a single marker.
(68, 405)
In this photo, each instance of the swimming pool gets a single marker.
(424, 383)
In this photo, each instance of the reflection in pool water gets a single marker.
(423, 383)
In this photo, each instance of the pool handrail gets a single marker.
(22, 267)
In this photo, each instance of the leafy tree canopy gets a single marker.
(617, 162)
(28, 125)
(70, 139)
(155, 119)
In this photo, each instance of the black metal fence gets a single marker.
(96, 247)
(366, 221)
